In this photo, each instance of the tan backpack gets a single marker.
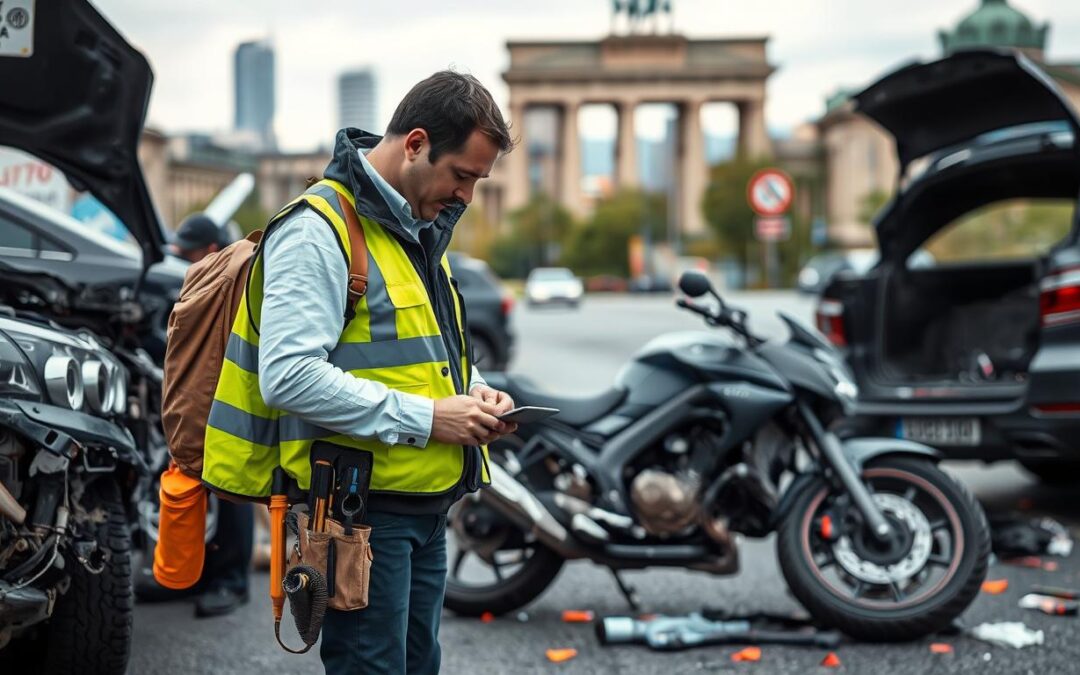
(199, 328)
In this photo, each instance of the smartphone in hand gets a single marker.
(527, 414)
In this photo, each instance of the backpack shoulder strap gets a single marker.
(358, 267)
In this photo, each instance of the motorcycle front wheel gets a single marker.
(916, 583)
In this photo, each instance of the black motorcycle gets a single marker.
(703, 437)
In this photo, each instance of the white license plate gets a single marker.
(964, 431)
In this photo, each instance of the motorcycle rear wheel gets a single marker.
(912, 587)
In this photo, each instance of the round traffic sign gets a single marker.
(770, 192)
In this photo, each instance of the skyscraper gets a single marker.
(356, 100)
(254, 73)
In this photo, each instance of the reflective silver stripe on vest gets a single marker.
(244, 354)
(236, 422)
(403, 352)
(292, 428)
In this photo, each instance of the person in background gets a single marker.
(198, 237)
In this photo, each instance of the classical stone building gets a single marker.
(860, 160)
(625, 71)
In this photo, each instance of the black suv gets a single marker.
(977, 354)
(488, 306)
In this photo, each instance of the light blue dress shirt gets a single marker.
(304, 296)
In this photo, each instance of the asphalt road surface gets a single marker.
(580, 352)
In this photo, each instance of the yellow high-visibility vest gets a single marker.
(394, 338)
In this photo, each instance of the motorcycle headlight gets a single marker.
(64, 382)
(17, 376)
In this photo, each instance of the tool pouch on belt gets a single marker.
(352, 553)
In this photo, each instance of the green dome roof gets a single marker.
(995, 24)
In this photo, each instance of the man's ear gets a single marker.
(415, 142)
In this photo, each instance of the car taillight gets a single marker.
(830, 321)
(1059, 297)
(507, 304)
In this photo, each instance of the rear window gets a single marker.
(551, 274)
(1015, 229)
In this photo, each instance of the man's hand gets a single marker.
(500, 399)
(464, 420)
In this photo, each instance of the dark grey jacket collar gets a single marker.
(346, 168)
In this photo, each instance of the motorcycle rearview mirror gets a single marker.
(695, 284)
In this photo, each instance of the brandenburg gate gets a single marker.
(626, 71)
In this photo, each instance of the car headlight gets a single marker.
(17, 377)
(98, 385)
(64, 382)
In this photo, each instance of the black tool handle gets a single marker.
(826, 639)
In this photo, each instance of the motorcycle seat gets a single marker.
(577, 411)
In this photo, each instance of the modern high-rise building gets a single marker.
(357, 100)
(254, 74)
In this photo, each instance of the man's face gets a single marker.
(431, 187)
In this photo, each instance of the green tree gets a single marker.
(538, 230)
(727, 211)
(871, 203)
(601, 245)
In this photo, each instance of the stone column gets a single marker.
(626, 144)
(517, 161)
(693, 172)
(570, 159)
(753, 134)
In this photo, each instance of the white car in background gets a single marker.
(548, 285)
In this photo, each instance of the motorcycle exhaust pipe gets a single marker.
(10, 508)
(513, 500)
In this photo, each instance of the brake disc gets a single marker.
(913, 561)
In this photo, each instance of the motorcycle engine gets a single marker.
(666, 503)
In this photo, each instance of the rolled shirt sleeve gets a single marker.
(304, 298)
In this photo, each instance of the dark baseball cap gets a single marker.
(198, 231)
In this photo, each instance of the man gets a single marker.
(410, 188)
(198, 237)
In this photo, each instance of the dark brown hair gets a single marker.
(449, 106)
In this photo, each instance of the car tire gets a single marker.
(91, 628)
(484, 355)
(1053, 471)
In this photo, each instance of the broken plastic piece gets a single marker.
(1007, 633)
(831, 660)
(523, 617)
(1050, 605)
(487, 617)
(941, 648)
(1056, 592)
(577, 616)
(748, 654)
(995, 586)
(561, 655)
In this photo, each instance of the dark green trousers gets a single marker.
(398, 632)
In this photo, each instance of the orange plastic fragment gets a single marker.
(831, 660)
(487, 617)
(560, 655)
(748, 654)
(577, 616)
(941, 648)
(995, 586)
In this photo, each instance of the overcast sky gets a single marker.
(818, 46)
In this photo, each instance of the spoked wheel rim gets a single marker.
(483, 559)
(485, 550)
(921, 559)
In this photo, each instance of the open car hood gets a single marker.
(78, 101)
(930, 106)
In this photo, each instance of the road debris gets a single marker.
(1050, 605)
(1008, 634)
(831, 660)
(941, 648)
(577, 616)
(561, 655)
(748, 654)
(995, 586)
